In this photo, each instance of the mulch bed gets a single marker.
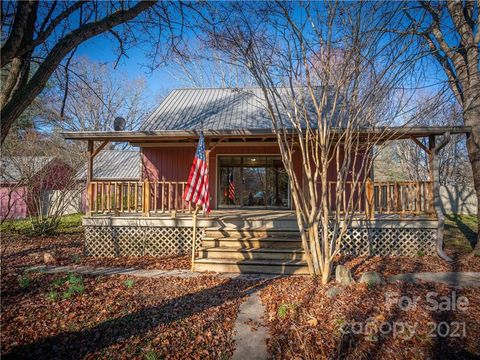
(159, 318)
(109, 316)
(23, 251)
(389, 266)
(305, 324)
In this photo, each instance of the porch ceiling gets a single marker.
(385, 133)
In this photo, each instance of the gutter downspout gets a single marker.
(436, 196)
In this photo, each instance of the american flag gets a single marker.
(197, 190)
(231, 187)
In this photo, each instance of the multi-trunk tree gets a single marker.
(331, 78)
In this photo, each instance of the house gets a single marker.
(252, 227)
(24, 178)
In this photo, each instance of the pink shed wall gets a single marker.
(13, 203)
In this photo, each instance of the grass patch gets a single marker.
(460, 232)
(69, 224)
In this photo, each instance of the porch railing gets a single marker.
(132, 197)
(383, 198)
(159, 197)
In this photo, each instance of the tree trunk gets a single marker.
(472, 118)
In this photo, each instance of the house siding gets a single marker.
(173, 163)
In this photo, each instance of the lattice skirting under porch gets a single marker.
(139, 240)
(390, 241)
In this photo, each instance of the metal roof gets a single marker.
(114, 165)
(15, 168)
(214, 109)
(394, 132)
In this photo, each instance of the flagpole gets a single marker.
(194, 236)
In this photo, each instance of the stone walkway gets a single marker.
(250, 334)
(457, 279)
(89, 270)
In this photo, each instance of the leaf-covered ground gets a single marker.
(120, 316)
(360, 324)
(70, 316)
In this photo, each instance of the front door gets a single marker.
(252, 182)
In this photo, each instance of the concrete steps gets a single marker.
(246, 242)
(239, 249)
(252, 266)
(251, 253)
(252, 233)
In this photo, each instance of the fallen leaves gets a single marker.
(112, 316)
(324, 328)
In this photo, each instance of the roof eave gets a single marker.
(136, 136)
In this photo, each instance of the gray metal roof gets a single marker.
(13, 169)
(114, 165)
(216, 108)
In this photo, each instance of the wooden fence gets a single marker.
(159, 197)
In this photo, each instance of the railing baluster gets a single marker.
(155, 183)
(163, 195)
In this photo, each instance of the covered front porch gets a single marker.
(253, 227)
(258, 241)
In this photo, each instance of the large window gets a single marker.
(252, 181)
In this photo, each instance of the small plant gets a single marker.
(129, 283)
(75, 258)
(340, 326)
(371, 286)
(420, 253)
(24, 281)
(52, 295)
(284, 309)
(75, 286)
(150, 355)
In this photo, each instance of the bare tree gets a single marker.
(404, 160)
(37, 36)
(92, 96)
(450, 30)
(330, 80)
(201, 70)
(46, 171)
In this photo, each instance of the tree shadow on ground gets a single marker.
(76, 345)
(467, 232)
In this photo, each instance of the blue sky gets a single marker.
(103, 50)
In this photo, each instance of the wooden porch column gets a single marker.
(89, 176)
(435, 178)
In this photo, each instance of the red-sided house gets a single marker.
(252, 226)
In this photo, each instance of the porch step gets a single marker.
(254, 253)
(252, 242)
(251, 233)
(252, 266)
(246, 223)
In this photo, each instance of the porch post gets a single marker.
(89, 176)
(434, 176)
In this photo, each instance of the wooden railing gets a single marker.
(131, 197)
(154, 197)
(388, 197)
